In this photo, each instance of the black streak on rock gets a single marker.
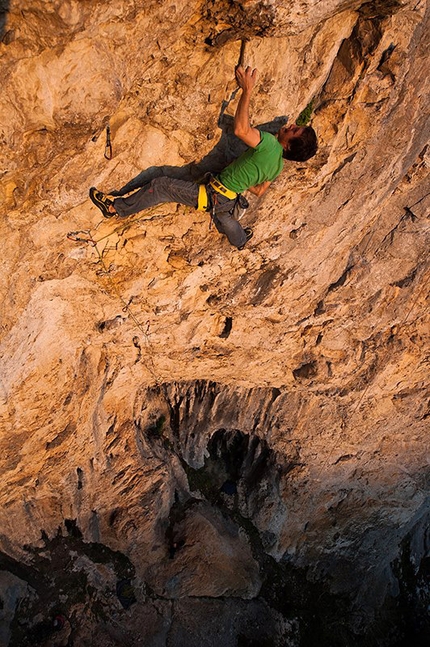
(227, 327)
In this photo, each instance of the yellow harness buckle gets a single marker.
(220, 188)
(202, 201)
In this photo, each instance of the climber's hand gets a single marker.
(246, 77)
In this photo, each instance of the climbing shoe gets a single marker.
(102, 202)
(249, 234)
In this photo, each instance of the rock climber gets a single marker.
(253, 171)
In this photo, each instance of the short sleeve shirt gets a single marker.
(256, 165)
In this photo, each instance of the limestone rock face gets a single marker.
(201, 446)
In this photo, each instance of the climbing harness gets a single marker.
(108, 147)
(207, 199)
(241, 204)
(223, 190)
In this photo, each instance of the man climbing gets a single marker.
(252, 171)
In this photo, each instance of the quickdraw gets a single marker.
(77, 237)
(108, 147)
(240, 63)
(242, 52)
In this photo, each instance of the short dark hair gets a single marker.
(303, 147)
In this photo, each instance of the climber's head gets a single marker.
(299, 142)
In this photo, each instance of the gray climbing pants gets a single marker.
(164, 189)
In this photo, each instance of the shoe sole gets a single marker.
(100, 204)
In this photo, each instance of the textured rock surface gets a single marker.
(240, 438)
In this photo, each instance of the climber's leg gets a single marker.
(158, 191)
(225, 222)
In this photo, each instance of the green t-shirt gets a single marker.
(255, 165)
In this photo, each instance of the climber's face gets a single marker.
(287, 133)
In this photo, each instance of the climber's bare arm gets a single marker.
(246, 79)
(259, 189)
